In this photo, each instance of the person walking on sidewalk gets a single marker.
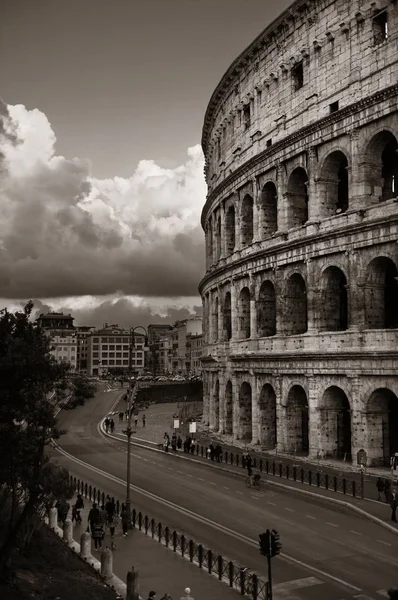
(143, 420)
(387, 490)
(380, 488)
(125, 517)
(187, 596)
(166, 442)
(93, 517)
(179, 442)
(394, 506)
(112, 524)
(174, 442)
(98, 535)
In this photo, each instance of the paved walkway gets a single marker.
(159, 568)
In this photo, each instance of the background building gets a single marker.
(181, 335)
(154, 357)
(82, 335)
(110, 350)
(60, 329)
(300, 293)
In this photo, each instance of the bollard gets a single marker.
(132, 585)
(106, 563)
(68, 531)
(85, 545)
(53, 518)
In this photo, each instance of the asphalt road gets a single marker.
(323, 541)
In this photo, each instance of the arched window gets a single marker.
(333, 185)
(247, 220)
(266, 310)
(267, 413)
(228, 408)
(381, 294)
(245, 413)
(335, 424)
(297, 195)
(381, 167)
(244, 313)
(334, 302)
(295, 306)
(382, 425)
(297, 421)
(227, 317)
(215, 413)
(230, 230)
(268, 210)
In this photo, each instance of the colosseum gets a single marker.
(300, 293)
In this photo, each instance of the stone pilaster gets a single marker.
(220, 328)
(210, 325)
(235, 406)
(256, 420)
(283, 200)
(223, 237)
(312, 297)
(253, 310)
(256, 213)
(280, 304)
(206, 397)
(281, 417)
(234, 312)
(359, 433)
(314, 424)
(221, 379)
(355, 293)
(313, 204)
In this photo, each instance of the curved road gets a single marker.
(336, 554)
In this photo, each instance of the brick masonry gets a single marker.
(300, 294)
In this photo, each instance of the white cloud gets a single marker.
(66, 234)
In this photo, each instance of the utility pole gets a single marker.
(130, 406)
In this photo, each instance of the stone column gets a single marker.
(234, 313)
(211, 402)
(210, 318)
(313, 204)
(283, 200)
(256, 232)
(314, 419)
(238, 242)
(222, 217)
(359, 195)
(359, 432)
(85, 545)
(206, 397)
(68, 531)
(221, 379)
(280, 300)
(312, 297)
(133, 588)
(356, 293)
(106, 564)
(220, 315)
(256, 435)
(253, 310)
(235, 406)
(281, 417)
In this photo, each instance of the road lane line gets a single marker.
(225, 487)
(363, 597)
(385, 543)
(290, 509)
(189, 475)
(296, 584)
(310, 517)
(272, 503)
(255, 497)
(356, 532)
(239, 493)
(212, 483)
(331, 524)
(201, 479)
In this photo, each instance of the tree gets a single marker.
(82, 389)
(28, 375)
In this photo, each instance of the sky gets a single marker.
(101, 170)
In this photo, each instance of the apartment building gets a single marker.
(110, 350)
(60, 328)
(184, 337)
(82, 334)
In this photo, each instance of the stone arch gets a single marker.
(266, 310)
(245, 413)
(267, 414)
(230, 229)
(333, 184)
(297, 421)
(297, 196)
(228, 409)
(218, 240)
(335, 424)
(295, 306)
(334, 300)
(382, 426)
(216, 417)
(381, 166)
(215, 331)
(268, 210)
(247, 220)
(381, 294)
(244, 313)
(227, 317)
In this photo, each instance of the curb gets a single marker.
(289, 488)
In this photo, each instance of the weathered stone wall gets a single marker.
(171, 392)
(300, 295)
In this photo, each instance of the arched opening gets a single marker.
(228, 409)
(216, 410)
(215, 320)
(266, 310)
(209, 240)
(227, 317)
(297, 194)
(297, 421)
(295, 313)
(335, 424)
(334, 304)
(382, 426)
(333, 185)
(247, 220)
(267, 423)
(245, 413)
(381, 294)
(218, 240)
(244, 313)
(381, 167)
(230, 230)
(268, 210)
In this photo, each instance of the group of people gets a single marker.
(189, 445)
(187, 595)
(109, 425)
(214, 452)
(390, 495)
(106, 517)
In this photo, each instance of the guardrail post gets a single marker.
(280, 469)
(209, 561)
(231, 573)
(273, 467)
(160, 531)
(344, 485)
(326, 481)
(261, 465)
(133, 517)
(191, 550)
(220, 565)
(146, 524)
(200, 556)
(153, 526)
(254, 587)
(302, 475)
(310, 477)
(174, 537)
(335, 483)
(167, 536)
(287, 471)
(354, 484)
(182, 541)
(295, 473)
(242, 581)
(231, 458)
(318, 479)
(106, 563)
(140, 521)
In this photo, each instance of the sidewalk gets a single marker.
(159, 569)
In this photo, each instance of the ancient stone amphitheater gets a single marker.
(300, 293)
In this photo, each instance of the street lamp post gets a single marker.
(131, 396)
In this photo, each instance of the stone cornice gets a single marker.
(272, 31)
(297, 136)
(298, 356)
(297, 243)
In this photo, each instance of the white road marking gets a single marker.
(363, 597)
(225, 487)
(189, 475)
(383, 593)
(255, 497)
(296, 584)
(290, 509)
(272, 503)
(180, 472)
(201, 479)
(310, 517)
(356, 532)
(239, 493)
(385, 543)
(212, 483)
(331, 524)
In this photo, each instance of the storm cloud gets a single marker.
(64, 233)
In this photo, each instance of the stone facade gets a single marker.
(300, 294)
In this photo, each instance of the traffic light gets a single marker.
(276, 546)
(264, 542)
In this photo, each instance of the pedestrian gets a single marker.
(394, 506)
(143, 420)
(208, 452)
(63, 508)
(380, 488)
(187, 594)
(136, 420)
(112, 524)
(166, 597)
(193, 446)
(93, 517)
(211, 448)
(110, 507)
(179, 442)
(112, 425)
(166, 442)
(174, 442)
(387, 490)
(103, 518)
(152, 596)
(98, 535)
(125, 517)
(218, 453)
(121, 415)
(106, 424)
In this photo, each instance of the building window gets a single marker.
(104, 340)
(118, 355)
(118, 347)
(298, 76)
(125, 340)
(112, 347)
(95, 340)
(95, 347)
(104, 355)
(334, 107)
(111, 340)
(111, 355)
(95, 362)
(65, 349)
(125, 362)
(95, 355)
(105, 347)
(112, 362)
(380, 27)
(118, 362)
(269, 143)
(125, 354)
(246, 117)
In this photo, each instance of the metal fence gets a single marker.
(333, 483)
(239, 578)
